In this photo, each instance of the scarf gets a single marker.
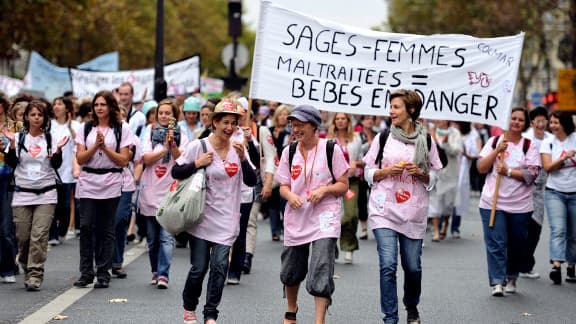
(418, 138)
(158, 136)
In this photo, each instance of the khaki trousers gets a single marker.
(32, 227)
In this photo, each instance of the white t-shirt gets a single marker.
(563, 179)
(136, 121)
(58, 132)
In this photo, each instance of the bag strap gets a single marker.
(117, 133)
(383, 137)
(329, 154)
(204, 149)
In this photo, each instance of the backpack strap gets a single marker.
(495, 142)
(291, 152)
(48, 137)
(118, 135)
(383, 137)
(87, 128)
(526, 145)
(21, 139)
(203, 143)
(329, 154)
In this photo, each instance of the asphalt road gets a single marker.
(455, 289)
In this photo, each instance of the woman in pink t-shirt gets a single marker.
(161, 146)
(34, 157)
(398, 205)
(102, 149)
(506, 240)
(312, 215)
(227, 167)
(342, 131)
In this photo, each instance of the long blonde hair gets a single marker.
(349, 128)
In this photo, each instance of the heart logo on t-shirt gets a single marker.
(231, 168)
(34, 150)
(296, 171)
(270, 140)
(402, 196)
(276, 161)
(160, 171)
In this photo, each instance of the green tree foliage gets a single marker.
(487, 18)
(70, 32)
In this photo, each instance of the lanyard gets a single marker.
(308, 181)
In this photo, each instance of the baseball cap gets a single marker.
(306, 114)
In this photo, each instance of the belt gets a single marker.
(36, 191)
(102, 171)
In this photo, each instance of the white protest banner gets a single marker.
(304, 60)
(10, 86)
(54, 80)
(212, 87)
(183, 74)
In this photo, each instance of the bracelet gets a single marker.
(509, 173)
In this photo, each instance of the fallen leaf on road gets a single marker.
(59, 317)
(118, 300)
(527, 314)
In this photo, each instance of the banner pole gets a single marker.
(497, 188)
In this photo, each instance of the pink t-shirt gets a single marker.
(312, 221)
(221, 222)
(34, 172)
(101, 186)
(128, 184)
(156, 178)
(514, 196)
(399, 203)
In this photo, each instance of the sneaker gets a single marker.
(54, 242)
(497, 291)
(556, 275)
(570, 275)
(190, 317)
(9, 279)
(530, 275)
(456, 234)
(162, 283)
(348, 257)
(102, 284)
(154, 280)
(510, 286)
(119, 273)
(247, 266)
(83, 281)
(233, 281)
(413, 315)
(32, 287)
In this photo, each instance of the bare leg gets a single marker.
(292, 298)
(321, 304)
(436, 225)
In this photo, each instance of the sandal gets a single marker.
(291, 317)
(364, 234)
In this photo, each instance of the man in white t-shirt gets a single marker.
(135, 118)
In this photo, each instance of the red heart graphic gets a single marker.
(276, 161)
(231, 168)
(173, 186)
(270, 140)
(34, 150)
(160, 171)
(402, 196)
(296, 170)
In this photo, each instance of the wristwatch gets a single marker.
(509, 173)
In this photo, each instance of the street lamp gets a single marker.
(160, 86)
(233, 81)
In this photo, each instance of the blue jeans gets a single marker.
(410, 255)
(204, 254)
(61, 219)
(561, 210)
(506, 245)
(121, 222)
(160, 247)
(8, 246)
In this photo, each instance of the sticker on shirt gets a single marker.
(515, 158)
(270, 140)
(402, 195)
(34, 151)
(34, 170)
(231, 168)
(296, 171)
(569, 162)
(379, 201)
(276, 161)
(160, 171)
(349, 194)
(328, 222)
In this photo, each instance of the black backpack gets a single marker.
(329, 154)
(384, 136)
(117, 133)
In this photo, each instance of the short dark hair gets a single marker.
(411, 99)
(565, 119)
(526, 116)
(538, 111)
(127, 84)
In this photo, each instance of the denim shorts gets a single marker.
(320, 282)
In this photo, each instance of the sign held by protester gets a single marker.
(10, 86)
(184, 74)
(300, 59)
